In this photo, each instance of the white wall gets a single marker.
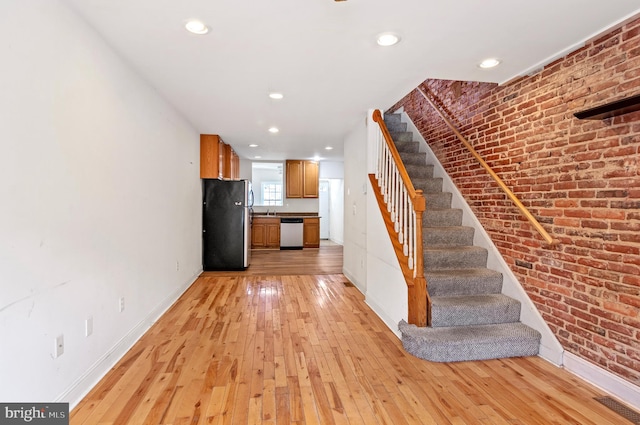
(336, 210)
(355, 207)
(100, 200)
(331, 170)
(369, 260)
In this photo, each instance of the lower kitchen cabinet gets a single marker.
(265, 232)
(311, 232)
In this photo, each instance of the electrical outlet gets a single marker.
(58, 349)
(88, 326)
(121, 305)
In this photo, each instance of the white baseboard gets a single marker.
(391, 324)
(379, 311)
(623, 390)
(353, 280)
(338, 241)
(81, 387)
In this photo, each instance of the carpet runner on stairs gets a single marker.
(471, 318)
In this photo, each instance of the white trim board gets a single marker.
(379, 311)
(625, 391)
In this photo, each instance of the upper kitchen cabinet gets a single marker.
(310, 187)
(294, 179)
(217, 159)
(231, 163)
(302, 179)
(210, 156)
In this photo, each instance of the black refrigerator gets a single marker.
(226, 224)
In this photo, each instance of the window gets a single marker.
(272, 193)
(266, 179)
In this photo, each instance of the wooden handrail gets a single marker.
(495, 177)
(377, 117)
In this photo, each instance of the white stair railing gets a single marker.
(405, 206)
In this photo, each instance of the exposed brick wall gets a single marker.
(580, 178)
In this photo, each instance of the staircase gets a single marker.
(470, 318)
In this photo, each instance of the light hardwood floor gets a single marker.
(291, 342)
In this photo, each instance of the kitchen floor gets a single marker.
(324, 260)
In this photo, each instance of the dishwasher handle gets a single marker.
(291, 220)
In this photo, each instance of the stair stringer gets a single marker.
(550, 348)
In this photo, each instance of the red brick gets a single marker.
(581, 179)
(609, 214)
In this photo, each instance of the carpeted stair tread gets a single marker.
(471, 310)
(401, 136)
(428, 184)
(452, 282)
(462, 343)
(454, 257)
(419, 171)
(437, 217)
(394, 123)
(414, 158)
(448, 235)
(438, 200)
(407, 147)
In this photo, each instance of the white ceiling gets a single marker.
(322, 55)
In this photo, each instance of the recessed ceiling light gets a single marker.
(387, 39)
(257, 157)
(276, 96)
(489, 63)
(196, 27)
(253, 145)
(329, 148)
(273, 130)
(316, 158)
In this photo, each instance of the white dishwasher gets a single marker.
(291, 229)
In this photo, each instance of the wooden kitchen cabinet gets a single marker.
(235, 165)
(265, 232)
(230, 163)
(294, 178)
(218, 160)
(310, 179)
(311, 232)
(302, 179)
(210, 156)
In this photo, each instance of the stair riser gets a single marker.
(458, 284)
(439, 259)
(414, 158)
(505, 311)
(419, 171)
(457, 236)
(466, 352)
(428, 185)
(408, 147)
(442, 217)
(401, 136)
(475, 343)
(438, 200)
(394, 123)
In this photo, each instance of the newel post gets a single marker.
(419, 306)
